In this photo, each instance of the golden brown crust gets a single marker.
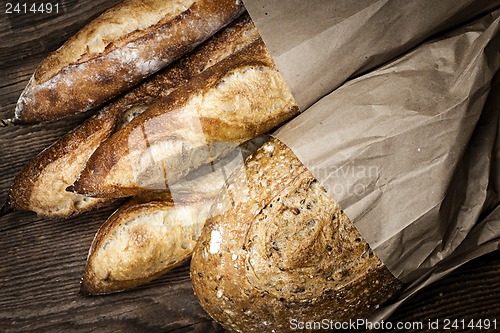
(231, 39)
(153, 233)
(235, 100)
(111, 30)
(140, 242)
(278, 248)
(62, 88)
(39, 186)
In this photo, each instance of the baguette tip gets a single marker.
(8, 122)
(83, 291)
(87, 289)
(6, 209)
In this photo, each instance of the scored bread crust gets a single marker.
(278, 248)
(83, 73)
(234, 37)
(141, 241)
(154, 233)
(237, 99)
(41, 185)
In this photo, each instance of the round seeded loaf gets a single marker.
(279, 250)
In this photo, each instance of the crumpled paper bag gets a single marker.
(411, 149)
(396, 139)
(318, 44)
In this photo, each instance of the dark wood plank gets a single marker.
(41, 262)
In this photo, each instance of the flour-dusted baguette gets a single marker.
(118, 49)
(279, 249)
(237, 99)
(154, 233)
(41, 185)
(141, 241)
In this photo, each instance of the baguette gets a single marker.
(235, 100)
(141, 241)
(41, 185)
(279, 248)
(117, 50)
(152, 234)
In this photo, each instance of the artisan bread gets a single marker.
(117, 50)
(141, 241)
(154, 233)
(41, 185)
(235, 100)
(279, 249)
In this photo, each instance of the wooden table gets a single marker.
(41, 261)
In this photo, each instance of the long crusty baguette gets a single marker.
(237, 99)
(152, 234)
(41, 185)
(278, 248)
(117, 50)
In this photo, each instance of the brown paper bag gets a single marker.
(412, 153)
(414, 148)
(319, 44)
(396, 142)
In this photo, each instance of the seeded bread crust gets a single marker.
(117, 50)
(279, 248)
(235, 100)
(41, 185)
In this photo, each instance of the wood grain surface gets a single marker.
(41, 261)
